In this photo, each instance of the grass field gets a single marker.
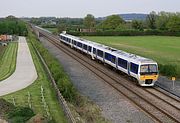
(8, 60)
(163, 49)
(21, 97)
(2, 50)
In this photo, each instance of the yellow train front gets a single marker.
(148, 74)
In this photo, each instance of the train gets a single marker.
(143, 70)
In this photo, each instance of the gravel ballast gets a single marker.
(115, 107)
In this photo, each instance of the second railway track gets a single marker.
(160, 106)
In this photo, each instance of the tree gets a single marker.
(111, 22)
(11, 25)
(162, 20)
(137, 24)
(151, 20)
(174, 23)
(89, 21)
(61, 27)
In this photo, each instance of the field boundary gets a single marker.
(61, 99)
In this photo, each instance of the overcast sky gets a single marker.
(80, 8)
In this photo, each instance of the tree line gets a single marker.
(13, 26)
(162, 23)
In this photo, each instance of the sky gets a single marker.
(80, 8)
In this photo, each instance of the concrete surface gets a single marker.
(25, 73)
(167, 84)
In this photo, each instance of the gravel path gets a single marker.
(25, 73)
(114, 106)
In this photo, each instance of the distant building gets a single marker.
(4, 39)
(87, 30)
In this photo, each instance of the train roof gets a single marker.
(114, 51)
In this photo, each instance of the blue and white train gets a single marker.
(144, 70)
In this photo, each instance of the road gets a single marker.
(25, 73)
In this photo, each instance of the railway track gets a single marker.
(161, 107)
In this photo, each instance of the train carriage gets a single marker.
(144, 70)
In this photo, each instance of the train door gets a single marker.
(71, 43)
(128, 67)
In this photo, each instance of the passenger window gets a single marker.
(94, 50)
(89, 48)
(113, 59)
(100, 53)
(122, 63)
(134, 68)
(85, 47)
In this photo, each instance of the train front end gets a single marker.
(148, 74)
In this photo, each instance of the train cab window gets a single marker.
(89, 48)
(100, 53)
(134, 68)
(85, 47)
(149, 69)
(94, 50)
(122, 63)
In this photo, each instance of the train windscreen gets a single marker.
(149, 69)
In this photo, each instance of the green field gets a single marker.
(2, 50)
(21, 97)
(163, 49)
(8, 60)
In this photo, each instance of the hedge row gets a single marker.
(61, 78)
(126, 33)
(168, 70)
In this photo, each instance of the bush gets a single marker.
(63, 82)
(20, 115)
(168, 70)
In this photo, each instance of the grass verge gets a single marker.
(8, 60)
(82, 108)
(21, 97)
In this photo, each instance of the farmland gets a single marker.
(163, 49)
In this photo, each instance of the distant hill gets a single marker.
(133, 16)
(129, 17)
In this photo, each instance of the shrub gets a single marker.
(168, 70)
(63, 82)
(20, 114)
